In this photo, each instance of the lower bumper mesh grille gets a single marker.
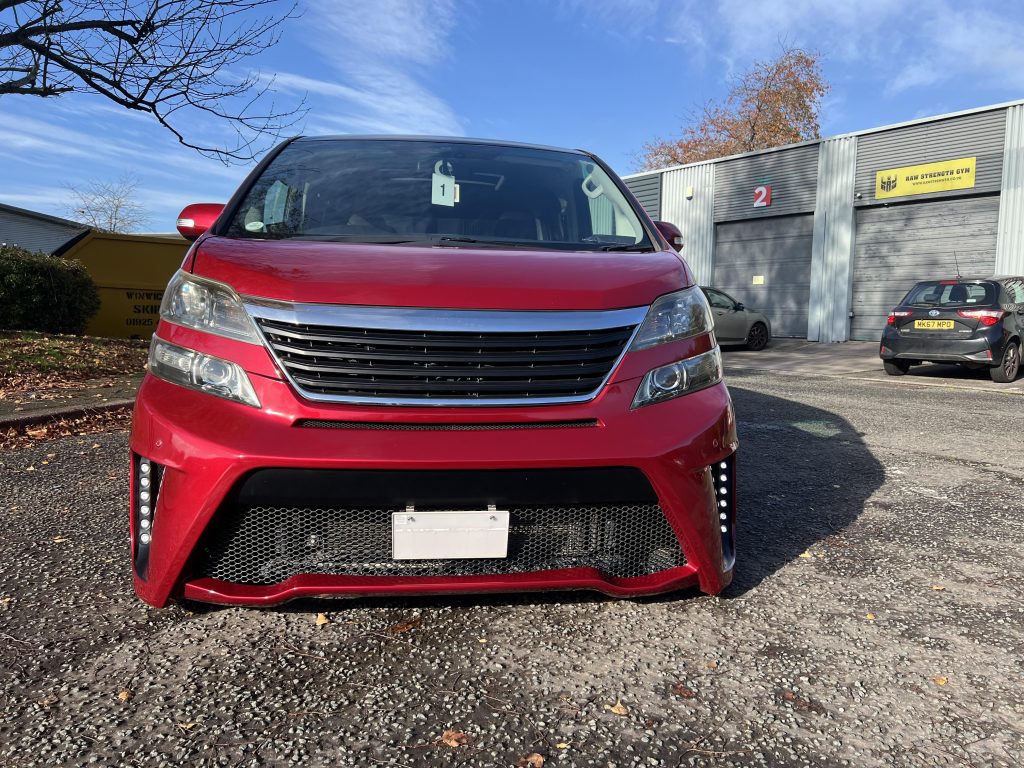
(268, 544)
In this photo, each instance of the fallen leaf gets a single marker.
(186, 726)
(30, 468)
(40, 432)
(482, 640)
(788, 695)
(940, 680)
(869, 616)
(124, 695)
(617, 708)
(806, 555)
(322, 619)
(938, 587)
(685, 692)
(404, 626)
(455, 739)
(59, 539)
(562, 745)
(48, 701)
(95, 445)
(533, 760)
(711, 664)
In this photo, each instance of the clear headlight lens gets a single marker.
(195, 370)
(681, 378)
(207, 305)
(675, 316)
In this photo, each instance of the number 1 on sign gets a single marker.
(443, 190)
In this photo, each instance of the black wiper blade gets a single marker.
(627, 247)
(478, 241)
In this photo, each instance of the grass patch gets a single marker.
(29, 359)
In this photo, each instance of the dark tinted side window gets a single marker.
(718, 299)
(947, 293)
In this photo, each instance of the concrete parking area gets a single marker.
(857, 360)
(875, 619)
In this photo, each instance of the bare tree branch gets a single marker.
(172, 59)
(109, 206)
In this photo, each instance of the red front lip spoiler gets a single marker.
(227, 593)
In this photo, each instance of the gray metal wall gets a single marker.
(779, 251)
(647, 189)
(694, 216)
(792, 174)
(978, 135)
(832, 249)
(1010, 241)
(901, 244)
(34, 234)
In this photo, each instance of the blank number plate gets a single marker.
(449, 535)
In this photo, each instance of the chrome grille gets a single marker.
(268, 544)
(445, 357)
(423, 364)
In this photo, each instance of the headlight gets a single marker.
(195, 370)
(675, 316)
(207, 305)
(697, 372)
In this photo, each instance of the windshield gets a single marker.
(448, 194)
(950, 293)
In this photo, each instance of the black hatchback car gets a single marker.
(978, 323)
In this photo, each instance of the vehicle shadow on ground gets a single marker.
(804, 475)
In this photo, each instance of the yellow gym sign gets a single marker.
(923, 179)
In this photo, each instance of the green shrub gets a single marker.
(44, 293)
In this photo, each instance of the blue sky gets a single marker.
(598, 74)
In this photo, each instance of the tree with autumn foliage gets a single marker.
(774, 103)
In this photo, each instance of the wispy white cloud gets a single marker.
(380, 54)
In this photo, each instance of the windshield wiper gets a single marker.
(477, 241)
(636, 247)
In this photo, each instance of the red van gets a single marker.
(395, 365)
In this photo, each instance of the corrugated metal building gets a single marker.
(36, 231)
(827, 236)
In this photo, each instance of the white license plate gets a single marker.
(460, 534)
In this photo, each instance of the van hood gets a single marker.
(438, 277)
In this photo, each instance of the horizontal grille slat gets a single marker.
(603, 354)
(416, 338)
(424, 365)
(460, 387)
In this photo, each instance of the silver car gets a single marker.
(735, 324)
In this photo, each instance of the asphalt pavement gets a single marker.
(875, 619)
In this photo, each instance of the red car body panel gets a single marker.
(207, 444)
(463, 278)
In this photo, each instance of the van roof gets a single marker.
(445, 139)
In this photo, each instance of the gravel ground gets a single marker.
(875, 620)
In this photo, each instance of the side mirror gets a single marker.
(671, 233)
(197, 218)
(739, 306)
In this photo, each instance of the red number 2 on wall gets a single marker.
(763, 196)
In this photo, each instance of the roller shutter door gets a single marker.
(775, 252)
(902, 244)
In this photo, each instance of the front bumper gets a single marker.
(984, 347)
(206, 447)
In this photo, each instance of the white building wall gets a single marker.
(832, 246)
(1010, 236)
(688, 201)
